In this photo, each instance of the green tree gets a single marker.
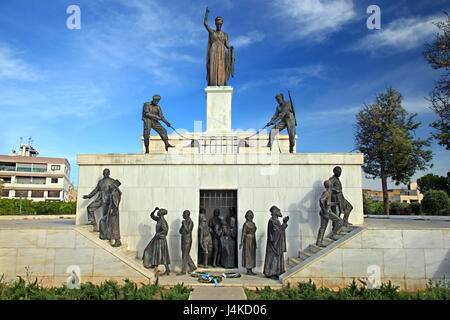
(437, 55)
(384, 134)
(436, 202)
(433, 182)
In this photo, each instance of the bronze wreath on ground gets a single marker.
(204, 277)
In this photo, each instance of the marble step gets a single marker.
(294, 261)
(304, 254)
(327, 241)
(314, 248)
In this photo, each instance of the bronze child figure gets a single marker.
(205, 240)
(326, 214)
(248, 243)
(157, 251)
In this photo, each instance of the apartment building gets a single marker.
(24, 174)
(412, 194)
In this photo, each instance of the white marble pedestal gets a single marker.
(218, 109)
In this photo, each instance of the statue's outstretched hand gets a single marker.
(207, 10)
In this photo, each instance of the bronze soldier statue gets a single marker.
(337, 197)
(276, 244)
(248, 243)
(286, 114)
(186, 242)
(326, 214)
(151, 114)
(103, 200)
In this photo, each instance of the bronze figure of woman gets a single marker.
(248, 243)
(219, 64)
(157, 251)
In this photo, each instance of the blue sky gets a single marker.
(81, 91)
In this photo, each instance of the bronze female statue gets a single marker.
(219, 64)
(157, 251)
(248, 243)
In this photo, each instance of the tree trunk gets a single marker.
(385, 192)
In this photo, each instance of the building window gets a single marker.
(23, 180)
(24, 167)
(30, 180)
(37, 193)
(40, 167)
(5, 180)
(56, 167)
(54, 180)
(5, 193)
(53, 194)
(21, 193)
(38, 180)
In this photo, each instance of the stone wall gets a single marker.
(409, 258)
(47, 253)
(293, 182)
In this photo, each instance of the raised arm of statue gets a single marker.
(206, 21)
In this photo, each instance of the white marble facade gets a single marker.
(293, 182)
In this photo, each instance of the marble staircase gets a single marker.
(313, 251)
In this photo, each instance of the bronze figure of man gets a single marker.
(151, 114)
(186, 242)
(337, 197)
(103, 200)
(285, 113)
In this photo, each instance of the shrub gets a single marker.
(12, 207)
(372, 207)
(414, 209)
(436, 202)
(397, 207)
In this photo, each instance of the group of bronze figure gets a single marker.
(218, 235)
(219, 67)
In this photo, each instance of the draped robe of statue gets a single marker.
(157, 251)
(227, 244)
(219, 64)
(248, 242)
(276, 246)
(186, 242)
(109, 225)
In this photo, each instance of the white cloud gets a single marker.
(399, 35)
(247, 40)
(289, 77)
(314, 18)
(149, 36)
(13, 68)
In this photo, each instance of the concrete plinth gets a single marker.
(218, 109)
